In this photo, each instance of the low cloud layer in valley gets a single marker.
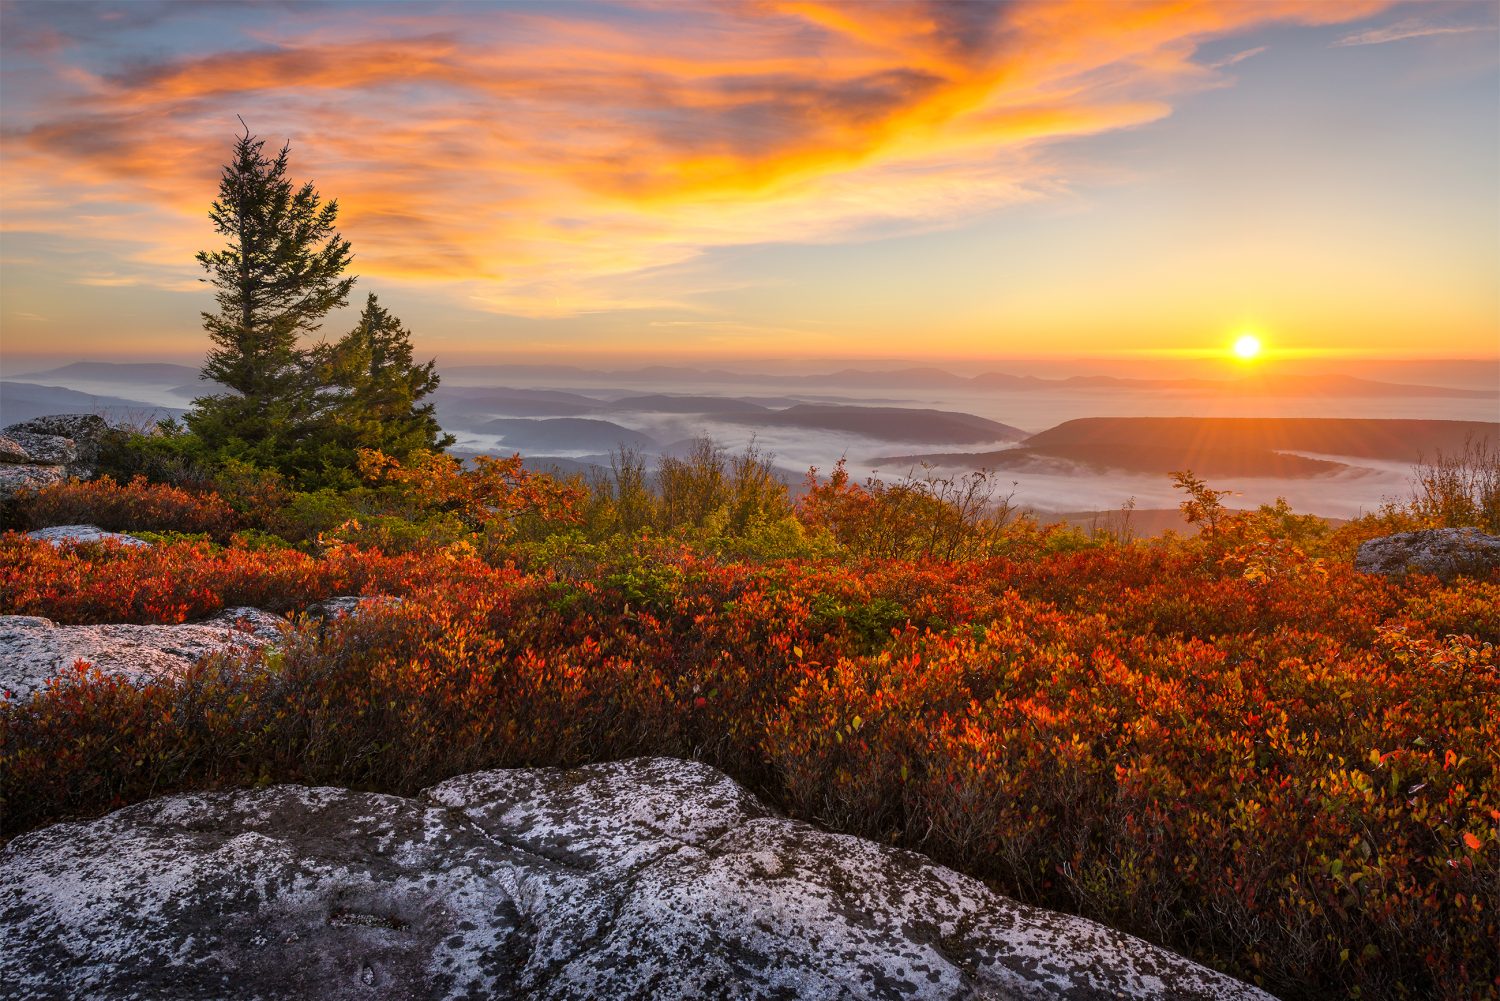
(890, 423)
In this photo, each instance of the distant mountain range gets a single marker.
(1253, 385)
(568, 434)
(1222, 446)
(140, 373)
(903, 424)
(23, 401)
(544, 421)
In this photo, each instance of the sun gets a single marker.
(1247, 347)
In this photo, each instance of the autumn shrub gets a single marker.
(138, 505)
(1459, 489)
(161, 451)
(926, 516)
(494, 491)
(178, 581)
(1253, 755)
(732, 504)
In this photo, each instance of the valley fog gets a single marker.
(572, 420)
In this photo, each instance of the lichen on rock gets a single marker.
(650, 878)
(1445, 553)
(35, 649)
(60, 535)
(46, 450)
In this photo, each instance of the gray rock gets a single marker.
(651, 878)
(85, 431)
(43, 449)
(46, 450)
(79, 427)
(34, 649)
(15, 477)
(12, 450)
(1446, 553)
(78, 534)
(347, 604)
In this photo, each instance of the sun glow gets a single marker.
(1247, 347)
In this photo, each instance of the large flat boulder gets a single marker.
(34, 649)
(1445, 553)
(645, 879)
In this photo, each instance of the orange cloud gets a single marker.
(542, 163)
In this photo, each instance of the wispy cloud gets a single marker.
(1239, 57)
(540, 163)
(1410, 28)
(147, 280)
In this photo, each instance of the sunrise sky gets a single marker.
(599, 181)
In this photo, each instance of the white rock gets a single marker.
(650, 878)
(34, 649)
(78, 534)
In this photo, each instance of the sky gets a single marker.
(776, 179)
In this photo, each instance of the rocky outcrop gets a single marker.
(75, 534)
(47, 450)
(1445, 553)
(33, 649)
(651, 878)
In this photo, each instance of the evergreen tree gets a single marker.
(372, 396)
(281, 272)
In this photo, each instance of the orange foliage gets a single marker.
(1289, 774)
(137, 505)
(495, 489)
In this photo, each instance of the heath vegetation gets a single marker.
(1231, 743)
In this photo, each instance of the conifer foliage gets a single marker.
(372, 389)
(281, 273)
(304, 411)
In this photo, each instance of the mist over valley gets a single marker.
(1332, 445)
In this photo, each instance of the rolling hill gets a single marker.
(572, 434)
(22, 401)
(887, 423)
(1223, 446)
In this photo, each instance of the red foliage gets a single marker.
(178, 581)
(495, 489)
(1288, 774)
(134, 506)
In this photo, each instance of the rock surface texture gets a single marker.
(1446, 553)
(59, 534)
(651, 878)
(47, 450)
(33, 649)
